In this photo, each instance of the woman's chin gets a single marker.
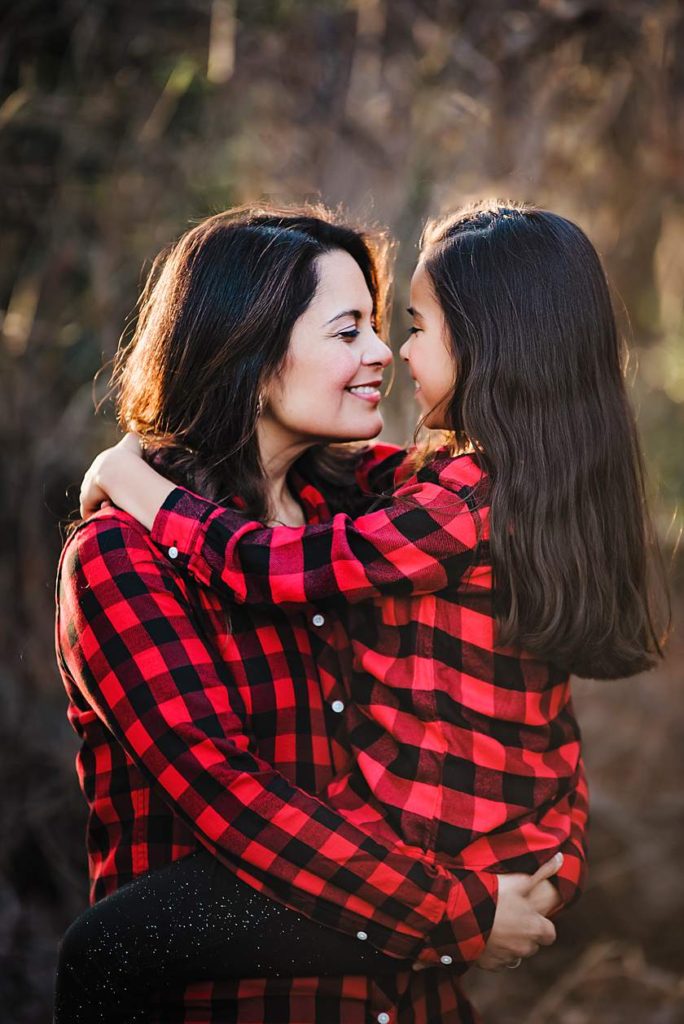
(359, 431)
(371, 429)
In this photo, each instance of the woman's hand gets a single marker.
(520, 923)
(545, 898)
(119, 476)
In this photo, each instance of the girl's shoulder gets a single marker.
(380, 467)
(458, 473)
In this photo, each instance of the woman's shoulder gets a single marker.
(108, 538)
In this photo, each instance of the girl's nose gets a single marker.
(404, 350)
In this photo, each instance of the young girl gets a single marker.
(518, 553)
(209, 724)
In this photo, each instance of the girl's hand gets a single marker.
(520, 923)
(119, 476)
(94, 490)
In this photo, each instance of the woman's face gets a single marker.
(329, 386)
(428, 352)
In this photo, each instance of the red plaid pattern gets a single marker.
(203, 722)
(462, 747)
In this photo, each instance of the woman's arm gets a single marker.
(127, 640)
(195, 919)
(422, 543)
(571, 879)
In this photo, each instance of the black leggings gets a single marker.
(189, 921)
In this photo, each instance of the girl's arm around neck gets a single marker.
(422, 543)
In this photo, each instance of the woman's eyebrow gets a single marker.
(412, 311)
(355, 313)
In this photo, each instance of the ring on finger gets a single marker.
(514, 963)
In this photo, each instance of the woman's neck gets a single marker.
(279, 451)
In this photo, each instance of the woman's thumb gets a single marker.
(546, 870)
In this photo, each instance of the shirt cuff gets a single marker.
(462, 935)
(178, 524)
(570, 880)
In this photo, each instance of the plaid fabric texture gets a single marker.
(462, 747)
(203, 721)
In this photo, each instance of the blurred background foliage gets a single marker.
(121, 123)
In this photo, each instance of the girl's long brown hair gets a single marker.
(540, 396)
(213, 329)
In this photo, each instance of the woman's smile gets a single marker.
(367, 392)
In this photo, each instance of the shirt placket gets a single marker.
(327, 635)
(381, 1007)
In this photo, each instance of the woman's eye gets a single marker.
(413, 330)
(350, 334)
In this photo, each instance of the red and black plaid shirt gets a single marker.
(208, 722)
(463, 747)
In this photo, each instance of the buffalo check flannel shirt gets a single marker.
(462, 747)
(205, 722)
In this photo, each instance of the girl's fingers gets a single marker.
(131, 443)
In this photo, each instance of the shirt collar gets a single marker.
(314, 505)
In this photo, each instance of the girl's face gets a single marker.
(329, 386)
(428, 353)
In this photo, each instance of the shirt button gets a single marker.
(361, 935)
(338, 706)
(446, 959)
(173, 552)
(383, 1018)
(318, 620)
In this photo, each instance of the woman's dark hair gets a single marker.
(540, 396)
(213, 329)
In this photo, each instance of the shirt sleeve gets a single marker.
(128, 639)
(571, 879)
(422, 543)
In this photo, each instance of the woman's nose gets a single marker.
(377, 352)
(404, 350)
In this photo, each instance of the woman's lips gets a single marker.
(366, 392)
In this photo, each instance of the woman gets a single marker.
(206, 723)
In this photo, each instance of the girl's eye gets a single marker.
(350, 334)
(413, 330)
